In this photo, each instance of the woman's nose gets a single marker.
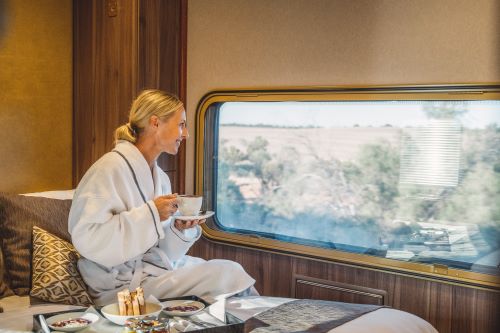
(185, 133)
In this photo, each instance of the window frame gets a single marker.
(367, 93)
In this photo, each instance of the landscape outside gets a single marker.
(415, 181)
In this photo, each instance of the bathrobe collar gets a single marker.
(150, 183)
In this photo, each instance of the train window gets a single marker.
(409, 176)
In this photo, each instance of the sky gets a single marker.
(348, 114)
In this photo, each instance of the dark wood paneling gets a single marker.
(167, 162)
(115, 78)
(105, 76)
(440, 306)
(117, 54)
(162, 44)
(160, 49)
(83, 63)
(150, 36)
(172, 175)
(181, 155)
(449, 308)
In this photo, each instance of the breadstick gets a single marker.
(140, 299)
(135, 305)
(121, 303)
(128, 302)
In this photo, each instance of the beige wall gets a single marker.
(35, 95)
(286, 43)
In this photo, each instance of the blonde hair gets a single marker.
(149, 103)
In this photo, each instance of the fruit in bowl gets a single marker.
(112, 312)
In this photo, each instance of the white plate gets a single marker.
(71, 315)
(206, 215)
(181, 302)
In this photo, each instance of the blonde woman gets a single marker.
(121, 220)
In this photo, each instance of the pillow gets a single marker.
(4, 288)
(61, 195)
(18, 215)
(55, 273)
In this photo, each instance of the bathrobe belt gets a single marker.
(139, 266)
(137, 277)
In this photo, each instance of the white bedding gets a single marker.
(383, 320)
(19, 316)
(61, 195)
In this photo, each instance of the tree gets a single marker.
(376, 175)
(269, 176)
(229, 196)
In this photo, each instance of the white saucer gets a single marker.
(206, 215)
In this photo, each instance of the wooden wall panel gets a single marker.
(486, 311)
(412, 295)
(449, 308)
(115, 80)
(83, 100)
(139, 45)
(150, 36)
(160, 53)
(440, 306)
(105, 76)
(276, 278)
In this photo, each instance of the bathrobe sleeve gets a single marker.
(109, 222)
(176, 243)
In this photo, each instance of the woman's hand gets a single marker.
(182, 225)
(166, 205)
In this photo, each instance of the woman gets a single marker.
(121, 217)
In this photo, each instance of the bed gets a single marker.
(19, 315)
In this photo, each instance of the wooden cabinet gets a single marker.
(120, 48)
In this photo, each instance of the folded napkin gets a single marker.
(182, 325)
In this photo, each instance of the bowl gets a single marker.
(66, 318)
(112, 312)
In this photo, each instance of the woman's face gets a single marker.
(171, 132)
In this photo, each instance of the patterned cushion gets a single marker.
(18, 215)
(55, 272)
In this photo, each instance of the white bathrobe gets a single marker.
(123, 243)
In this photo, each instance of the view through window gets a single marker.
(407, 180)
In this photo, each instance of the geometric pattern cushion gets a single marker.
(55, 275)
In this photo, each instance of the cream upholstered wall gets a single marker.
(289, 43)
(35, 95)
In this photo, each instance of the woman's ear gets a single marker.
(154, 121)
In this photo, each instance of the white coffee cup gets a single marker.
(189, 205)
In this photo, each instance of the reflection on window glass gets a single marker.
(414, 181)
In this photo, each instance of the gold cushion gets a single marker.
(55, 273)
